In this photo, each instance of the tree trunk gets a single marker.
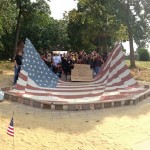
(132, 61)
(16, 35)
(130, 35)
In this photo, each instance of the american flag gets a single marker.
(37, 81)
(10, 130)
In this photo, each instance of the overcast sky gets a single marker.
(58, 7)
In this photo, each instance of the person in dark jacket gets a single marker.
(18, 63)
(98, 63)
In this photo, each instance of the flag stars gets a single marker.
(36, 68)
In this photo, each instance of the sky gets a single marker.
(58, 7)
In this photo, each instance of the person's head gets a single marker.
(20, 45)
(58, 65)
(48, 54)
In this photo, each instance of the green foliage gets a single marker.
(44, 31)
(35, 24)
(94, 23)
(7, 25)
(144, 54)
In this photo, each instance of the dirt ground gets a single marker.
(122, 128)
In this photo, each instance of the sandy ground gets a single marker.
(122, 128)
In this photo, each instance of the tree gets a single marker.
(95, 23)
(144, 54)
(135, 16)
(26, 7)
(7, 22)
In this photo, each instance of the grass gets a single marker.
(6, 65)
(142, 72)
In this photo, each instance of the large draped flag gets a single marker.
(38, 82)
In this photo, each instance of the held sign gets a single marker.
(81, 72)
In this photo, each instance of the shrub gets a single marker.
(143, 54)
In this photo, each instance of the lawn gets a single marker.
(142, 72)
(6, 65)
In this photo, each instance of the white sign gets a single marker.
(1, 95)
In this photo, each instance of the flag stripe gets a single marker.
(10, 129)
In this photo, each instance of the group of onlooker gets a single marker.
(63, 63)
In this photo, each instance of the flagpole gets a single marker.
(13, 144)
(13, 136)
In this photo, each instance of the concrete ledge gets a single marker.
(14, 98)
(26, 101)
(5, 89)
(117, 104)
(36, 104)
(7, 96)
(20, 100)
(58, 107)
(146, 86)
(98, 106)
(46, 106)
(75, 106)
(107, 104)
(86, 106)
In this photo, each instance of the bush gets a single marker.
(143, 54)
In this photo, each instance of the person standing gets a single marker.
(18, 63)
(98, 61)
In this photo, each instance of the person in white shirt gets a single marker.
(56, 60)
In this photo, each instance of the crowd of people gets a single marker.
(63, 63)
